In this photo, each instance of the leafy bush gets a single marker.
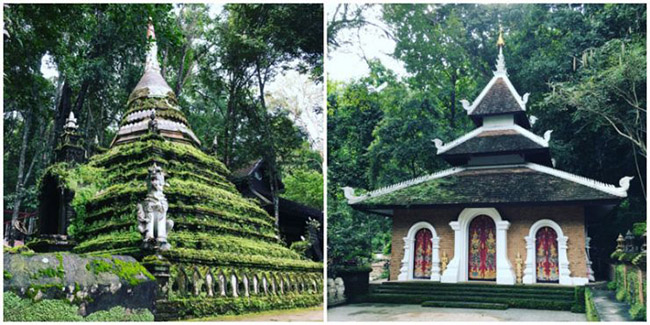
(120, 314)
(638, 312)
(590, 307)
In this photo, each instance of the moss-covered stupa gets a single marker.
(225, 256)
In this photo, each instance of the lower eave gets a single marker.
(382, 209)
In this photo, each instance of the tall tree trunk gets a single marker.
(181, 71)
(261, 81)
(14, 234)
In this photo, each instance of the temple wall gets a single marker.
(404, 219)
(570, 219)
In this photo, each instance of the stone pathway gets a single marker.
(403, 313)
(609, 309)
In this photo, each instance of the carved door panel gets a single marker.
(422, 255)
(482, 255)
(546, 255)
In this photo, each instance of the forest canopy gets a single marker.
(584, 66)
(221, 61)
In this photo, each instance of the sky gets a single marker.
(346, 62)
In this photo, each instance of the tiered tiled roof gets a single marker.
(499, 162)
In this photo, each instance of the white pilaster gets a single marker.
(435, 259)
(505, 273)
(453, 271)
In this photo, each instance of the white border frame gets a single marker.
(406, 271)
(457, 269)
(530, 274)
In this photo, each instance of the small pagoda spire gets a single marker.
(70, 123)
(152, 63)
(501, 62)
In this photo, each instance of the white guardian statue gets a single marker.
(152, 213)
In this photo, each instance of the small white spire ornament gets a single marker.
(152, 63)
(70, 123)
(501, 62)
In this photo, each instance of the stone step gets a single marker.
(524, 294)
(511, 301)
(464, 304)
(478, 286)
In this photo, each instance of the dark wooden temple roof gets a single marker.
(521, 184)
(498, 100)
(495, 141)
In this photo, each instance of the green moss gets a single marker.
(7, 275)
(204, 307)
(220, 258)
(22, 250)
(132, 272)
(420, 193)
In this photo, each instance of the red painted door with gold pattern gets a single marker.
(422, 255)
(547, 255)
(482, 259)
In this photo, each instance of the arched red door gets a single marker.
(422, 254)
(482, 255)
(546, 255)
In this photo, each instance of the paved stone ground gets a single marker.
(394, 313)
(609, 309)
(314, 314)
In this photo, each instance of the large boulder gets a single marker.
(92, 282)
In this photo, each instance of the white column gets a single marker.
(563, 260)
(435, 259)
(530, 265)
(590, 271)
(406, 260)
(454, 271)
(505, 273)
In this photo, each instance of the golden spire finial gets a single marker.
(500, 41)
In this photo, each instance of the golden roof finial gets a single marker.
(500, 41)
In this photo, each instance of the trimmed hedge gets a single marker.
(590, 307)
(511, 302)
(463, 304)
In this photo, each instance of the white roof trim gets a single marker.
(620, 191)
(521, 101)
(442, 148)
(349, 192)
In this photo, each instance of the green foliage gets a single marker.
(17, 309)
(611, 285)
(304, 186)
(590, 307)
(120, 314)
(638, 229)
(7, 275)
(638, 312)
